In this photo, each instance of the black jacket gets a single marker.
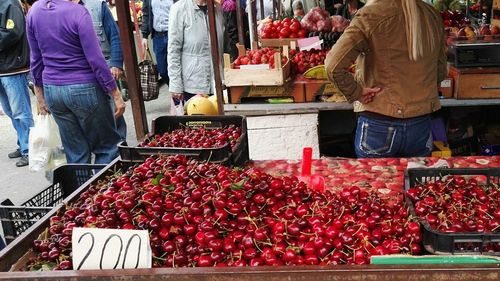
(14, 50)
(147, 19)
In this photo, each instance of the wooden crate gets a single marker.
(277, 42)
(495, 13)
(291, 89)
(476, 83)
(257, 77)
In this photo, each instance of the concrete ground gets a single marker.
(19, 184)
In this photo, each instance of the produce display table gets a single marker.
(384, 175)
(315, 107)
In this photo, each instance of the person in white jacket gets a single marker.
(189, 52)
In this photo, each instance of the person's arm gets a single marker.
(113, 36)
(340, 58)
(37, 67)
(145, 26)
(95, 58)
(174, 56)
(11, 27)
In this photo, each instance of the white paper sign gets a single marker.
(97, 248)
(255, 66)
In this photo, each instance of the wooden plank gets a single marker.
(215, 56)
(305, 273)
(132, 69)
(227, 61)
(277, 42)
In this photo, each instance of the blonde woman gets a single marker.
(398, 46)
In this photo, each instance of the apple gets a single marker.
(461, 35)
(495, 31)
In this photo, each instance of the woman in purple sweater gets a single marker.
(73, 81)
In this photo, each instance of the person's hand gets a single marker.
(116, 72)
(41, 106)
(119, 103)
(144, 44)
(178, 96)
(369, 94)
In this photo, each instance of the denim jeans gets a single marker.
(86, 122)
(410, 137)
(15, 100)
(160, 44)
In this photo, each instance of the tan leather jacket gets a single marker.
(376, 38)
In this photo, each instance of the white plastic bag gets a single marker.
(44, 143)
(177, 110)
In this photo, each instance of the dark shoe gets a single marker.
(23, 161)
(15, 154)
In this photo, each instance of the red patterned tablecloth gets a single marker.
(386, 175)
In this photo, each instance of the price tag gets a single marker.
(446, 83)
(97, 248)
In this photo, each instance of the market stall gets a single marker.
(211, 214)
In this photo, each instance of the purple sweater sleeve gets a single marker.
(36, 62)
(93, 53)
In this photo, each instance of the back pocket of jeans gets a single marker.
(84, 98)
(377, 140)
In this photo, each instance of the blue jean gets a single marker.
(160, 44)
(15, 100)
(396, 138)
(86, 122)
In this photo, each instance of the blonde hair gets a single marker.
(420, 33)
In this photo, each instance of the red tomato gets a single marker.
(284, 32)
(301, 33)
(277, 23)
(293, 35)
(295, 27)
(245, 61)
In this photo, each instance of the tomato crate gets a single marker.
(67, 178)
(437, 242)
(236, 156)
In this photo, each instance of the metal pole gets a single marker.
(132, 69)
(252, 21)
(274, 9)
(239, 23)
(212, 25)
(261, 4)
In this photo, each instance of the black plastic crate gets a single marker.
(223, 155)
(452, 243)
(67, 178)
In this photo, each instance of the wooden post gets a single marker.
(215, 55)
(132, 69)
(239, 22)
(252, 21)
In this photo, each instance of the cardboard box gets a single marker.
(476, 83)
(446, 88)
(319, 90)
(291, 89)
(441, 149)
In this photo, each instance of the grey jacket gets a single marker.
(189, 55)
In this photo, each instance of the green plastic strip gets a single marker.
(280, 100)
(405, 259)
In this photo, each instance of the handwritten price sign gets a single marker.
(96, 248)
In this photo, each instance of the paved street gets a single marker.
(19, 184)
